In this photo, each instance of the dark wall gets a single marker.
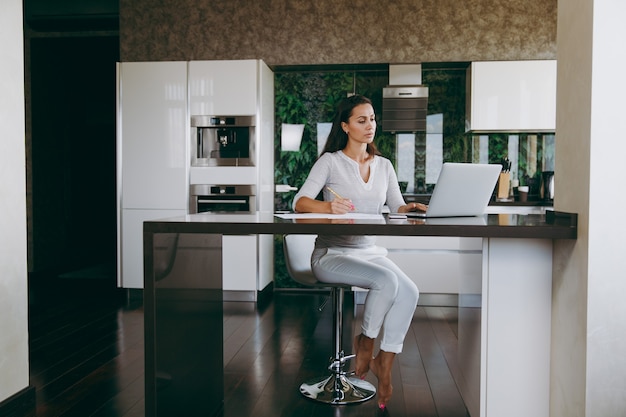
(63, 15)
(304, 32)
(70, 51)
(72, 151)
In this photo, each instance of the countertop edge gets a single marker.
(553, 225)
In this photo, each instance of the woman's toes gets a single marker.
(381, 367)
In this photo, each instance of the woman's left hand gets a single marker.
(412, 207)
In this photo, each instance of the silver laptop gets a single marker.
(462, 190)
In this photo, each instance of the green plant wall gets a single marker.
(446, 95)
(310, 96)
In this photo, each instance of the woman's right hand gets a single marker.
(336, 206)
(341, 206)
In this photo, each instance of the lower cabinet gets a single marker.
(437, 265)
(130, 244)
(239, 263)
(247, 266)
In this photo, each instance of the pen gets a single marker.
(337, 195)
(333, 192)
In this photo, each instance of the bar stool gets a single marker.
(339, 387)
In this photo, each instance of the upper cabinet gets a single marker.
(152, 125)
(505, 96)
(223, 88)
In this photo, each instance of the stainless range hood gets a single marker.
(405, 100)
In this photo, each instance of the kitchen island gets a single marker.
(504, 311)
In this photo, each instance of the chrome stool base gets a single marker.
(338, 388)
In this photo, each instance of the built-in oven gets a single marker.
(223, 140)
(222, 198)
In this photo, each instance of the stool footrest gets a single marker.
(337, 364)
(338, 389)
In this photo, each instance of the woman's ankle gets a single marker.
(363, 348)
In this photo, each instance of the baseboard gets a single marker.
(265, 294)
(254, 296)
(425, 300)
(231, 295)
(21, 404)
(438, 300)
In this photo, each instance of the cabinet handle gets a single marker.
(223, 201)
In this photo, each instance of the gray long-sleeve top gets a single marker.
(341, 173)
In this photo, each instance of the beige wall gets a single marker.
(303, 32)
(589, 313)
(13, 273)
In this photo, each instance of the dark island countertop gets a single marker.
(551, 225)
(183, 309)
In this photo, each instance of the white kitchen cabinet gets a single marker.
(223, 88)
(240, 88)
(239, 263)
(437, 265)
(247, 266)
(152, 134)
(130, 243)
(506, 96)
(155, 101)
(237, 88)
(152, 156)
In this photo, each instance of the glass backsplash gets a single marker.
(530, 154)
(309, 95)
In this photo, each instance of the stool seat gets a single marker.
(339, 387)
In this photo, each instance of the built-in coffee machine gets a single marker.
(223, 141)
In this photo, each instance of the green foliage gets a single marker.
(309, 98)
(498, 148)
(446, 95)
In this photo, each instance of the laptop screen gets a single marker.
(462, 189)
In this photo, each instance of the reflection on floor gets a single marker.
(86, 346)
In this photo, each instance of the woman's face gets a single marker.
(361, 125)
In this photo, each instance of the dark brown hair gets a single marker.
(337, 138)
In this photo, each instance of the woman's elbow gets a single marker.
(297, 205)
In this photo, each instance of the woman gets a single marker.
(355, 177)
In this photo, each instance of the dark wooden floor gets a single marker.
(86, 356)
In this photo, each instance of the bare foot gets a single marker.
(381, 367)
(364, 348)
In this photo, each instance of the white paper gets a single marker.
(329, 216)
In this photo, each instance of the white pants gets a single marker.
(392, 296)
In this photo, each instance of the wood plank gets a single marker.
(418, 397)
(447, 399)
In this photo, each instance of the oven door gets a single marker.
(222, 199)
(223, 204)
